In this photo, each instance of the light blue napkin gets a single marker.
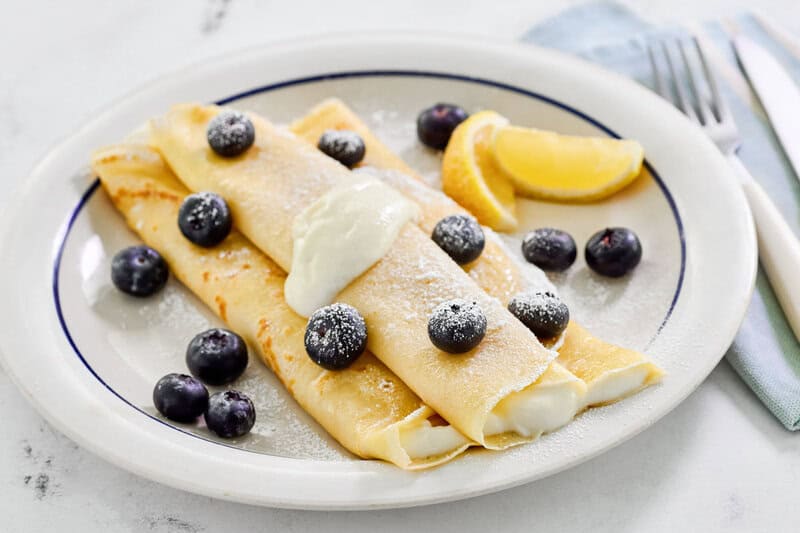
(765, 353)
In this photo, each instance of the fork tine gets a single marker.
(718, 122)
(683, 98)
(661, 84)
(718, 105)
(706, 116)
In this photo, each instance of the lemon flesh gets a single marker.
(470, 175)
(544, 164)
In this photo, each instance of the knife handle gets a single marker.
(778, 247)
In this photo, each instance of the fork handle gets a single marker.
(778, 248)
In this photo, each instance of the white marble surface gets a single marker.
(719, 462)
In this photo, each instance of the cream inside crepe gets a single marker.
(280, 175)
(367, 408)
(609, 372)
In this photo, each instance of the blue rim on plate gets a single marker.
(87, 195)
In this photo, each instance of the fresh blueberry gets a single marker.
(457, 326)
(435, 125)
(230, 414)
(230, 133)
(139, 271)
(336, 335)
(180, 397)
(345, 146)
(542, 312)
(216, 356)
(460, 236)
(613, 252)
(205, 219)
(550, 249)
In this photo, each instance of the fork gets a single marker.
(697, 95)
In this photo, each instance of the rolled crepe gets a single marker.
(365, 407)
(609, 372)
(281, 175)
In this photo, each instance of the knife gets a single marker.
(778, 93)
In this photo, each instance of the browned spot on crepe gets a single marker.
(143, 193)
(222, 307)
(263, 326)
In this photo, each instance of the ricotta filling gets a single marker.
(616, 384)
(426, 440)
(534, 410)
(339, 237)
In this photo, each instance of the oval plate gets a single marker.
(87, 358)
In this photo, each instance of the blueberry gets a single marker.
(205, 219)
(435, 125)
(180, 397)
(542, 312)
(457, 326)
(336, 335)
(139, 271)
(230, 133)
(613, 252)
(345, 146)
(230, 414)
(216, 356)
(550, 249)
(460, 236)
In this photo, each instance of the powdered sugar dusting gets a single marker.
(383, 116)
(399, 132)
(533, 277)
(172, 311)
(408, 185)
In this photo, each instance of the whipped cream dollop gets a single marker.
(341, 235)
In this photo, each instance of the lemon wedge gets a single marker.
(545, 164)
(471, 177)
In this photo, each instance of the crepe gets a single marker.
(368, 409)
(281, 175)
(610, 372)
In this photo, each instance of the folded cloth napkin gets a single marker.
(765, 352)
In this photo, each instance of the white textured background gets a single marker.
(719, 462)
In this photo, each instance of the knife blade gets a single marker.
(777, 92)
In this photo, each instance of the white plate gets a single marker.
(87, 358)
